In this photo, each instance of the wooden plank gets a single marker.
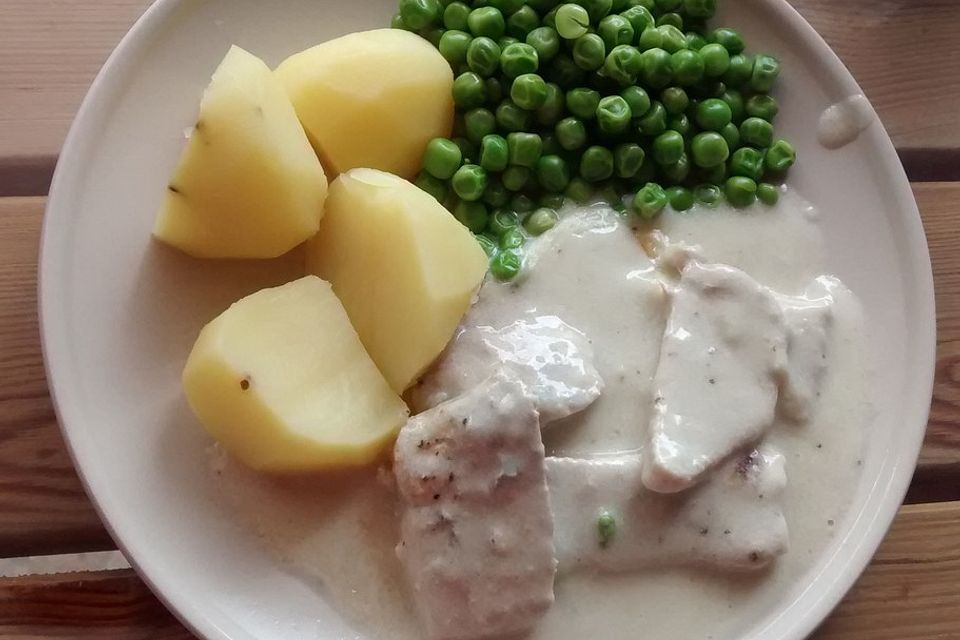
(909, 592)
(106, 604)
(43, 508)
(50, 50)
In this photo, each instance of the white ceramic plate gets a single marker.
(119, 313)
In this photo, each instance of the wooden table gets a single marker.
(905, 54)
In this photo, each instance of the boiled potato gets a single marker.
(371, 99)
(248, 184)
(404, 268)
(283, 382)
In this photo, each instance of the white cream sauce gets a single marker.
(842, 123)
(591, 271)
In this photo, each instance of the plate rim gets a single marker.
(197, 620)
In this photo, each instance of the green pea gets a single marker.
(687, 67)
(483, 56)
(522, 203)
(579, 190)
(583, 103)
(511, 117)
(740, 191)
(709, 149)
(613, 115)
(553, 173)
(529, 91)
(734, 100)
(468, 150)
(543, 6)
(433, 35)
(442, 158)
(680, 123)
(703, 9)
(469, 90)
(516, 178)
(654, 121)
(708, 194)
(472, 215)
(637, 99)
(494, 153)
(507, 7)
(678, 172)
(433, 185)
(540, 221)
(455, 16)
(486, 21)
(739, 72)
(671, 19)
(564, 72)
(729, 39)
(494, 91)
(756, 132)
(506, 41)
(501, 221)
(650, 201)
(589, 52)
(765, 71)
(454, 46)
(524, 149)
(713, 114)
(596, 9)
(712, 175)
(596, 164)
(673, 38)
(553, 106)
(522, 22)
(609, 193)
(495, 195)
(768, 194)
(716, 60)
(506, 265)
(419, 14)
(623, 64)
(627, 159)
(762, 106)
(571, 133)
(731, 133)
(545, 42)
(469, 182)
(668, 147)
(572, 21)
(478, 123)
(552, 200)
(649, 39)
(695, 41)
(780, 156)
(518, 59)
(675, 100)
(680, 198)
(488, 245)
(657, 68)
(639, 18)
(615, 30)
(512, 238)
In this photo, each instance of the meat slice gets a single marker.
(476, 530)
(553, 360)
(809, 320)
(732, 521)
(722, 358)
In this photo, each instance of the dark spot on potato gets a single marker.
(174, 189)
(245, 384)
(754, 556)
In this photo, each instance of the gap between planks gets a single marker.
(43, 508)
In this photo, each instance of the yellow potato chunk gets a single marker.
(248, 185)
(371, 99)
(404, 268)
(282, 381)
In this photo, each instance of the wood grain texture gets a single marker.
(50, 51)
(43, 508)
(909, 592)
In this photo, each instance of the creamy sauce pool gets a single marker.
(339, 535)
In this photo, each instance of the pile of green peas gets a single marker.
(611, 98)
